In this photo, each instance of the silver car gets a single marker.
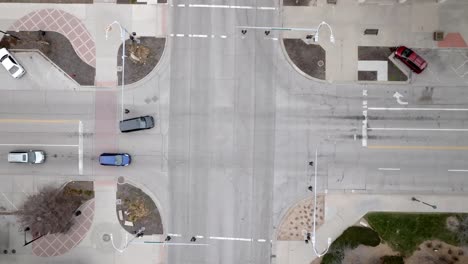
(32, 156)
(10, 64)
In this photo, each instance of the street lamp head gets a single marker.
(332, 38)
(316, 37)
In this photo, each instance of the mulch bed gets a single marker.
(380, 54)
(296, 2)
(137, 71)
(57, 48)
(85, 189)
(128, 195)
(308, 58)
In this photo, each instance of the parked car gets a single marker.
(31, 156)
(411, 59)
(115, 159)
(137, 123)
(10, 64)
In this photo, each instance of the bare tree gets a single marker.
(49, 211)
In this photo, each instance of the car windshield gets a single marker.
(32, 156)
(4, 57)
(13, 69)
(406, 53)
(118, 159)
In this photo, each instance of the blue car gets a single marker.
(115, 159)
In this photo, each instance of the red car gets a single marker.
(411, 59)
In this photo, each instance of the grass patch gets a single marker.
(405, 231)
(392, 260)
(350, 239)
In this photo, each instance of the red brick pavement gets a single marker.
(452, 40)
(106, 122)
(59, 244)
(64, 23)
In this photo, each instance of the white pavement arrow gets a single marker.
(398, 97)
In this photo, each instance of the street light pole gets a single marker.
(315, 212)
(139, 233)
(122, 37)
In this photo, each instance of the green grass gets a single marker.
(351, 238)
(392, 260)
(405, 231)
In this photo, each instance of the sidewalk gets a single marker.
(92, 46)
(345, 209)
(399, 24)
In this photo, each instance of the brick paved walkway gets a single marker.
(65, 24)
(299, 218)
(59, 244)
(452, 40)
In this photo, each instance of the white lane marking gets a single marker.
(458, 170)
(242, 7)
(389, 169)
(80, 148)
(223, 36)
(198, 236)
(415, 109)
(261, 240)
(418, 129)
(174, 235)
(164, 243)
(198, 36)
(230, 6)
(398, 97)
(209, 6)
(364, 129)
(39, 145)
(181, 5)
(231, 238)
(266, 8)
(180, 35)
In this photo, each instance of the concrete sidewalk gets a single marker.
(345, 209)
(410, 24)
(145, 20)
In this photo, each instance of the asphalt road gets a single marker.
(237, 126)
(415, 147)
(222, 107)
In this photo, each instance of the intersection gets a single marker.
(236, 128)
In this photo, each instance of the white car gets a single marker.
(10, 64)
(32, 156)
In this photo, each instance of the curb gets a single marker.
(153, 197)
(153, 72)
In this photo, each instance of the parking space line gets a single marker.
(458, 170)
(9, 201)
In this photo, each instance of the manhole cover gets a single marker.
(320, 63)
(106, 237)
